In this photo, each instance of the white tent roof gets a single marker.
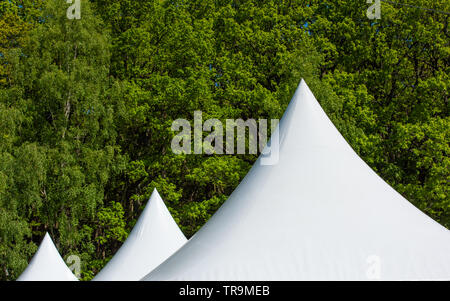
(47, 265)
(153, 239)
(320, 213)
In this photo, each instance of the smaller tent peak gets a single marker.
(47, 240)
(153, 239)
(155, 195)
(304, 88)
(303, 94)
(302, 85)
(153, 211)
(154, 200)
(47, 264)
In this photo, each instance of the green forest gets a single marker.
(86, 106)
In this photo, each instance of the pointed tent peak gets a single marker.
(47, 264)
(302, 96)
(47, 242)
(154, 203)
(153, 239)
(306, 123)
(329, 215)
(305, 98)
(155, 215)
(47, 237)
(155, 196)
(302, 91)
(303, 84)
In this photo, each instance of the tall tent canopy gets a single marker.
(47, 265)
(319, 213)
(153, 239)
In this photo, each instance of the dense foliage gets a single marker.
(86, 106)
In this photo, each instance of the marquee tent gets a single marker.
(153, 239)
(47, 265)
(319, 213)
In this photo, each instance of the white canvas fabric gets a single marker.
(153, 239)
(47, 265)
(320, 213)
